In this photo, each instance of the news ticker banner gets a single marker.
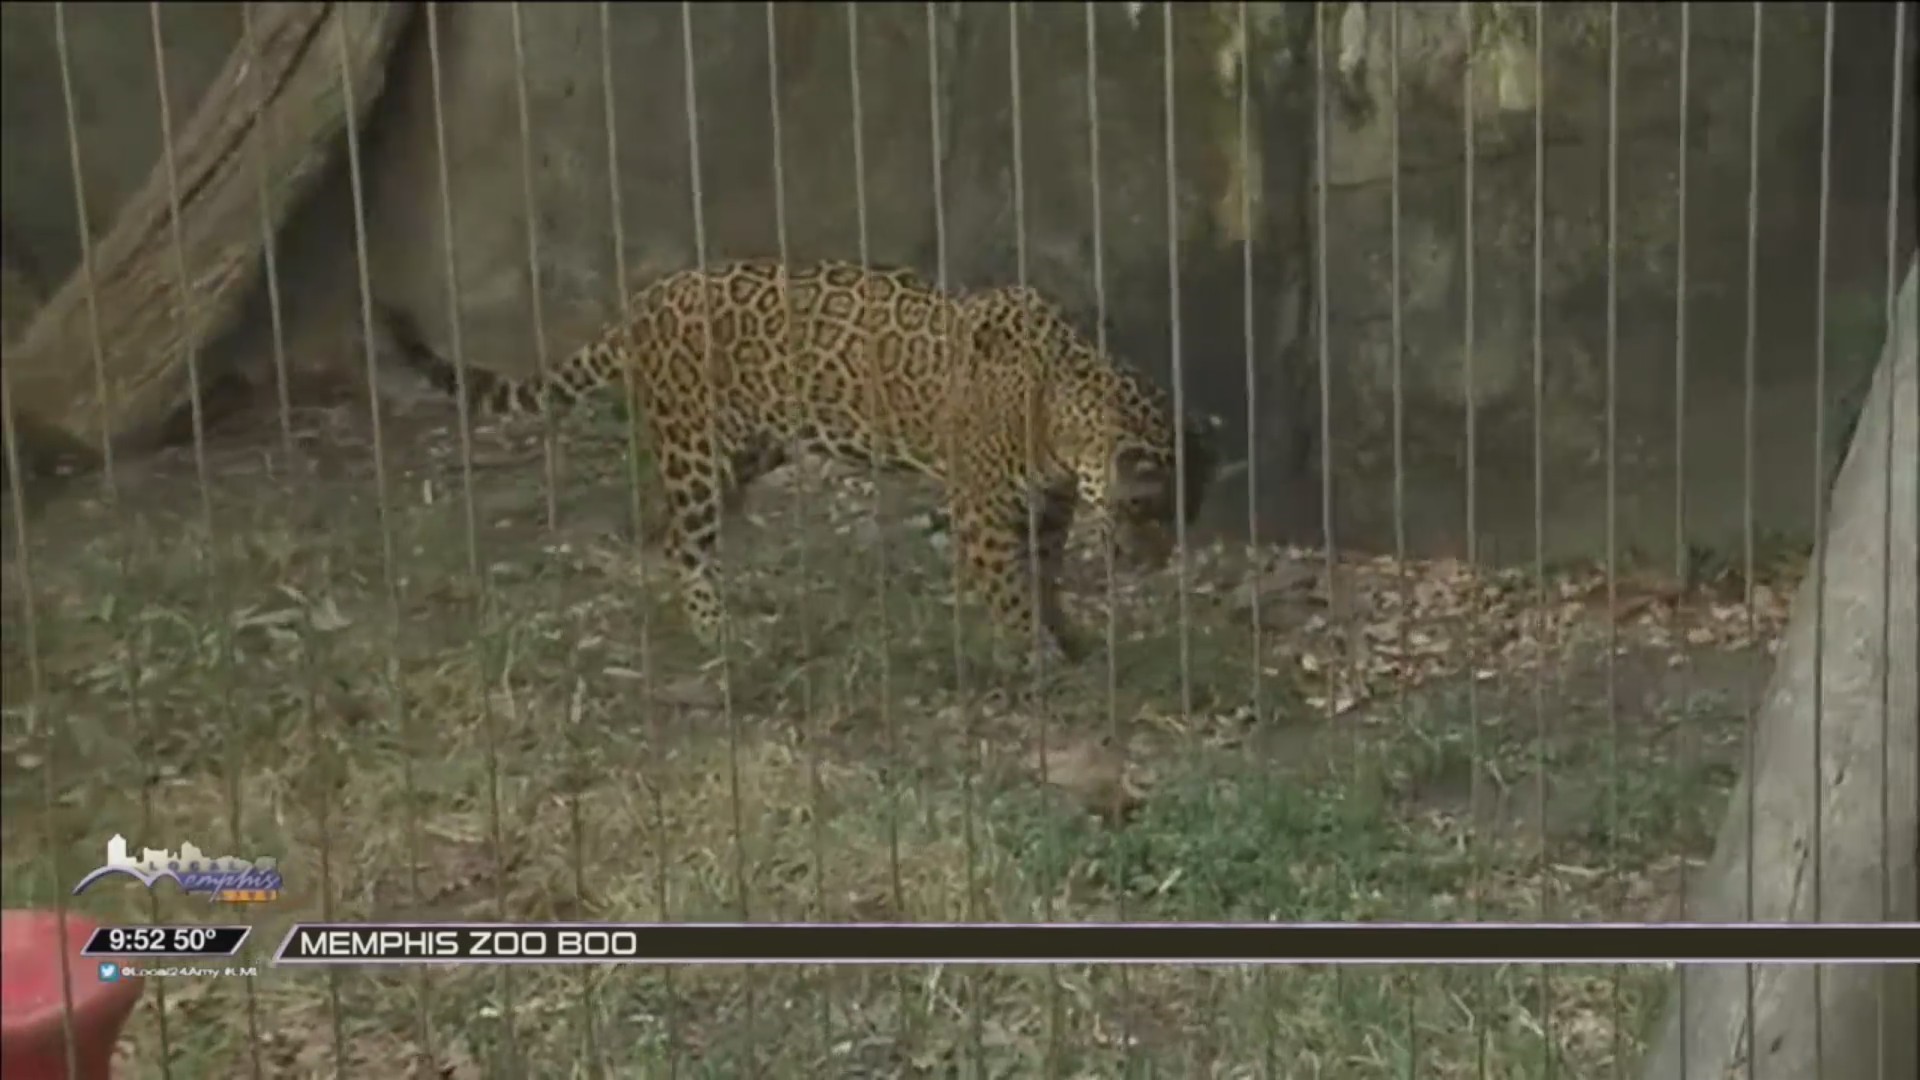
(1017, 943)
(1029, 943)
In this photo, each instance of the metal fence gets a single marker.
(363, 644)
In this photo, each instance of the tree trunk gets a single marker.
(1868, 755)
(289, 85)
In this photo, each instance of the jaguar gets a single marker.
(994, 394)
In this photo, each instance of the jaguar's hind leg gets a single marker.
(747, 467)
(701, 488)
(758, 457)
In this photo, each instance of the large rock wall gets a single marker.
(1571, 95)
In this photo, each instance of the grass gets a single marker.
(542, 741)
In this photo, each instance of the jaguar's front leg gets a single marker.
(1022, 591)
(700, 485)
(1052, 525)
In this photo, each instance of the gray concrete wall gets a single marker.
(985, 238)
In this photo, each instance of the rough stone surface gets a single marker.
(1569, 98)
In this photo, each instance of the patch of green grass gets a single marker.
(1234, 842)
(1665, 806)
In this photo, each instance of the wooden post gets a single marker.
(1866, 1013)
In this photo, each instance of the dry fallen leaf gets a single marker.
(1404, 624)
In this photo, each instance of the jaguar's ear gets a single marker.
(1202, 431)
(1209, 428)
(1023, 296)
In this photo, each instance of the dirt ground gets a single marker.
(433, 707)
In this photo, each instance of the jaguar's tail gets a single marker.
(492, 394)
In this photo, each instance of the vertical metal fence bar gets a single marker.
(1257, 652)
(190, 347)
(305, 492)
(955, 351)
(1749, 706)
(390, 578)
(1178, 370)
(876, 406)
(109, 487)
(1038, 673)
(636, 514)
(1548, 1056)
(298, 487)
(1116, 725)
(1322, 128)
(1017, 162)
(110, 494)
(1895, 133)
(1819, 560)
(551, 452)
(1245, 106)
(110, 490)
(1475, 751)
(301, 489)
(549, 447)
(536, 306)
(1689, 749)
(49, 746)
(218, 598)
(257, 137)
(1177, 376)
(698, 197)
(809, 718)
(1613, 504)
(884, 435)
(484, 612)
(1397, 377)
(257, 151)
(616, 210)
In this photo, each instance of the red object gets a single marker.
(32, 1045)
